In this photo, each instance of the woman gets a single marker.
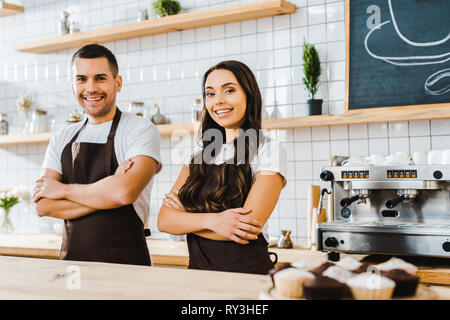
(224, 197)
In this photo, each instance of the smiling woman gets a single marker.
(227, 191)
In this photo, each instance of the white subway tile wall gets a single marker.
(167, 69)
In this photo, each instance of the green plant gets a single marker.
(165, 7)
(312, 69)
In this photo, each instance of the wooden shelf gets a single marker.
(171, 23)
(7, 9)
(165, 130)
(25, 138)
(351, 117)
(376, 115)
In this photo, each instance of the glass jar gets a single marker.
(3, 124)
(39, 121)
(137, 108)
(196, 112)
(74, 117)
(63, 23)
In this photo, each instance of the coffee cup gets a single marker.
(445, 156)
(419, 158)
(435, 157)
(398, 159)
(375, 159)
(354, 161)
(403, 155)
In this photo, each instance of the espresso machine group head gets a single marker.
(387, 209)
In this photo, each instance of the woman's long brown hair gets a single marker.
(232, 182)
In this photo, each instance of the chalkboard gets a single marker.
(398, 53)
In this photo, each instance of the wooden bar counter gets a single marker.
(42, 279)
(26, 278)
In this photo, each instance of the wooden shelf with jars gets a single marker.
(352, 117)
(11, 139)
(7, 9)
(183, 21)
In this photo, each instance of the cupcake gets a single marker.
(352, 265)
(307, 264)
(323, 288)
(289, 282)
(338, 273)
(341, 275)
(396, 263)
(277, 269)
(369, 286)
(320, 269)
(405, 283)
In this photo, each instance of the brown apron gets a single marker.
(229, 256)
(113, 235)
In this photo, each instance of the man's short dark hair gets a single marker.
(92, 51)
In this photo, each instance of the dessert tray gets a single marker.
(422, 293)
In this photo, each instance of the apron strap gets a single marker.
(75, 146)
(110, 142)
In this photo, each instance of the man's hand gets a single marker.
(48, 188)
(124, 167)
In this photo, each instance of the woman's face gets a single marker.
(225, 99)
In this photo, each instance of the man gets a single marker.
(104, 206)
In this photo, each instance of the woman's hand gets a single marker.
(171, 200)
(235, 225)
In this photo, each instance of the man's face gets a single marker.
(94, 85)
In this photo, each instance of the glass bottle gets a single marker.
(3, 124)
(39, 121)
(137, 108)
(63, 26)
(196, 111)
(159, 118)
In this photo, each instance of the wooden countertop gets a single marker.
(175, 253)
(27, 278)
(50, 279)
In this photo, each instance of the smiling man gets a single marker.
(105, 206)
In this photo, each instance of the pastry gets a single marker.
(352, 265)
(323, 288)
(405, 283)
(289, 282)
(370, 286)
(320, 269)
(277, 269)
(306, 264)
(396, 263)
(340, 274)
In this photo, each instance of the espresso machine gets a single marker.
(386, 209)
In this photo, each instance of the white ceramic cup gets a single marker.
(354, 160)
(435, 157)
(399, 159)
(419, 158)
(445, 156)
(375, 159)
(403, 155)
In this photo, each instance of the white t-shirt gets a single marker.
(271, 157)
(134, 136)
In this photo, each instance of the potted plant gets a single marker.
(312, 70)
(161, 8)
